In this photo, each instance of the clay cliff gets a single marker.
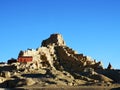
(54, 63)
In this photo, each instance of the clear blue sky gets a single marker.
(91, 27)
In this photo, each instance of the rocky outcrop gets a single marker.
(6, 74)
(55, 54)
(54, 63)
(12, 60)
(109, 66)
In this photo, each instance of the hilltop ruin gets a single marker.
(54, 63)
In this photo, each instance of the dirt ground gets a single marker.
(114, 87)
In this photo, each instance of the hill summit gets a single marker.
(54, 53)
(55, 64)
(54, 39)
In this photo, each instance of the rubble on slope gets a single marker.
(53, 63)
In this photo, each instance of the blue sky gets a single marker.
(91, 27)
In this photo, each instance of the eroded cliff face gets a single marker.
(54, 54)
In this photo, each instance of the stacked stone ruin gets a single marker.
(54, 63)
(55, 54)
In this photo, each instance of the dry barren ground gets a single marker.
(71, 88)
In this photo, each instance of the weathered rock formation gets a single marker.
(54, 63)
(109, 66)
(53, 53)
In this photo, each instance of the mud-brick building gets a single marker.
(25, 59)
